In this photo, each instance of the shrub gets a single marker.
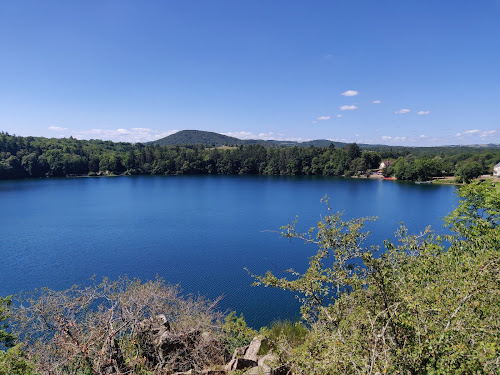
(429, 304)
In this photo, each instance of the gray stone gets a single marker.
(253, 349)
(240, 364)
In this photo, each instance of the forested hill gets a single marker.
(197, 137)
(28, 157)
(211, 139)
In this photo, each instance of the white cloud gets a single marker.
(241, 135)
(487, 133)
(350, 93)
(476, 132)
(472, 131)
(123, 131)
(132, 135)
(394, 139)
(422, 136)
(56, 128)
(348, 107)
(339, 116)
(321, 118)
(402, 111)
(265, 136)
(423, 112)
(376, 102)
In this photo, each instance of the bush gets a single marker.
(236, 332)
(95, 329)
(429, 304)
(282, 337)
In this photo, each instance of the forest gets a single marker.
(36, 157)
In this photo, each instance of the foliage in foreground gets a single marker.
(95, 329)
(427, 305)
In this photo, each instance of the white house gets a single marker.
(496, 170)
(386, 163)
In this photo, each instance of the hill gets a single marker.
(212, 139)
(197, 137)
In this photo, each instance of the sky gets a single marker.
(412, 72)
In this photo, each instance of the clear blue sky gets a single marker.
(406, 72)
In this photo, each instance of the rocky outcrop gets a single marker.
(181, 351)
(187, 352)
(248, 358)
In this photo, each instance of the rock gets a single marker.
(239, 352)
(281, 370)
(257, 371)
(253, 349)
(178, 351)
(149, 334)
(240, 364)
(266, 362)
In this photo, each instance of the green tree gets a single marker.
(13, 360)
(352, 151)
(427, 305)
(6, 338)
(467, 172)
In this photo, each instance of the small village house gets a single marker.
(384, 164)
(496, 170)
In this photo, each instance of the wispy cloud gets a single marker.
(265, 136)
(393, 139)
(241, 135)
(322, 118)
(488, 133)
(348, 107)
(57, 128)
(133, 135)
(339, 116)
(472, 131)
(350, 93)
(376, 102)
(423, 112)
(402, 111)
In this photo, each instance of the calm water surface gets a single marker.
(199, 231)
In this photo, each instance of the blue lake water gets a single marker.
(198, 231)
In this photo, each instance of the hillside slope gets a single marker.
(194, 137)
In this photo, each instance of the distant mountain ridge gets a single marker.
(206, 138)
(212, 139)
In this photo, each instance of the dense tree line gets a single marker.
(32, 157)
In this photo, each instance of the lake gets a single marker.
(198, 231)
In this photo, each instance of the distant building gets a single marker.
(386, 163)
(496, 170)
